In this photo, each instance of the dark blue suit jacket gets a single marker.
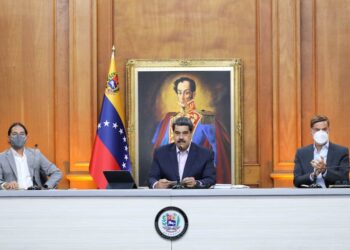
(199, 164)
(337, 165)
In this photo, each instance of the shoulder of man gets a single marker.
(5, 152)
(198, 147)
(165, 147)
(306, 148)
(338, 147)
(2, 155)
(33, 150)
(208, 117)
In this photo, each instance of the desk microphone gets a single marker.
(35, 185)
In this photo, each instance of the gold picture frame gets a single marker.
(151, 96)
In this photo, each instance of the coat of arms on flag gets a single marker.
(110, 151)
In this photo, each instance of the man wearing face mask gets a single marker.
(20, 167)
(322, 163)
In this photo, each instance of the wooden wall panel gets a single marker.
(27, 71)
(105, 41)
(325, 54)
(286, 82)
(308, 59)
(83, 82)
(332, 48)
(61, 87)
(265, 100)
(286, 85)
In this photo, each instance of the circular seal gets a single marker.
(171, 223)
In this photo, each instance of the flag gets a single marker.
(110, 151)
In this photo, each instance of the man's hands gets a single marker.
(163, 183)
(189, 182)
(319, 166)
(10, 185)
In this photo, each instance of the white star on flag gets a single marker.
(115, 125)
(126, 157)
(124, 139)
(99, 125)
(126, 148)
(120, 131)
(124, 165)
(106, 123)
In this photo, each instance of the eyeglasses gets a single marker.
(14, 134)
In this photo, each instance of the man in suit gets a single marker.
(182, 161)
(20, 167)
(208, 131)
(322, 163)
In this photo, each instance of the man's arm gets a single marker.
(2, 181)
(209, 172)
(340, 172)
(3, 184)
(50, 170)
(155, 173)
(300, 177)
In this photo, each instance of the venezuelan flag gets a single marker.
(110, 151)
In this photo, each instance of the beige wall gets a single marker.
(55, 56)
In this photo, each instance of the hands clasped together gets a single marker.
(189, 182)
(319, 166)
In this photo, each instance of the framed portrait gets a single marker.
(209, 92)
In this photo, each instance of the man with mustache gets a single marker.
(207, 130)
(182, 162)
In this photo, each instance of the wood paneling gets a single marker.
(265, 100)
(286, 82)
(27, 71)
(308, 59)
(82, 82)
(61, 87)
(332, 48)
(55, 56)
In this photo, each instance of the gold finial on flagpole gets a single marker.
(113, 51)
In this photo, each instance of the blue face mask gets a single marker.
(18, 141)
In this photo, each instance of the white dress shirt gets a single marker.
(181, 160)
(317, 156)
(24, 180)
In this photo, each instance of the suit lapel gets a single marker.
(309, 157)
(330, 154)
(30, 161)
(11, 160)
(173, 161)
(190, 160)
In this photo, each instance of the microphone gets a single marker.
(35, 184)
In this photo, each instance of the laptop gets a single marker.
(119, 179)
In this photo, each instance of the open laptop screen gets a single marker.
(119, 179)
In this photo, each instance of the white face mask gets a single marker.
(321, 137)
